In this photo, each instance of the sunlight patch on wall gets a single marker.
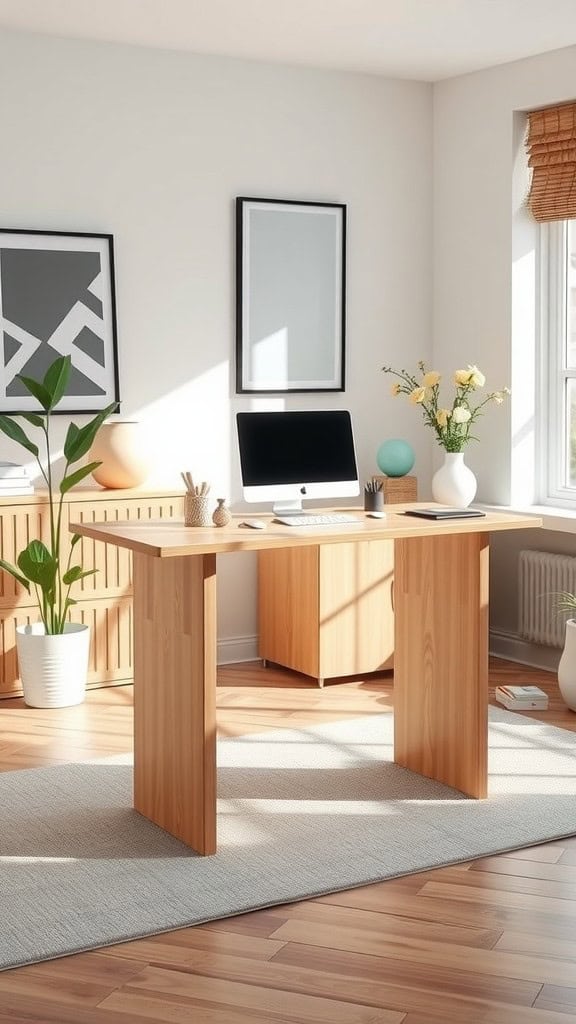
(191, 428)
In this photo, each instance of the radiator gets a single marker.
(542, 577)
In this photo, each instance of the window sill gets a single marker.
(562, 520)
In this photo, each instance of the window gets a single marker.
(558, 362)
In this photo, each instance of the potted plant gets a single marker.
(52, 653)
(567, 666)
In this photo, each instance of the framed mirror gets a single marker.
(290, 296)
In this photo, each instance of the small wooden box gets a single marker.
(398, 490)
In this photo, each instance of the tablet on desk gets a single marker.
(445, 513)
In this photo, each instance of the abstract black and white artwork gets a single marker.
(57, 298)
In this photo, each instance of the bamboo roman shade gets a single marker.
(551, 145)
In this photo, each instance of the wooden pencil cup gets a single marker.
(197, 510)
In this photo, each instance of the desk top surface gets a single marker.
(169, 538)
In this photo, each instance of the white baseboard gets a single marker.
(237, 648)
(502, 645)
(514, 648)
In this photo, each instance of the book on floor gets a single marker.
(523, 698)
(523, 692)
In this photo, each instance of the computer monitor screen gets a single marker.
(288, 456)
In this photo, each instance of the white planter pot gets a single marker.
(53, 668)
(454, 483)
(567, 666)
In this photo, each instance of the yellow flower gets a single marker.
(462, 377)
(477, 378)
(472, 376)
(418, 395)
(451, 425)
(461, 415)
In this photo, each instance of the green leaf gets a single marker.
(38, 565)
(56, 379)
(75, 538)
(77, 476)
(33, 418)
(14, 572)
(36, 389)
(14, 431)
(71, 435)
(80, 442)
(75, 573)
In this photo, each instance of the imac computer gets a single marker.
(288, 456)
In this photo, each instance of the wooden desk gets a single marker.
(441, 651)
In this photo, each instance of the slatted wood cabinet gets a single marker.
(327, 610)
(104, 600)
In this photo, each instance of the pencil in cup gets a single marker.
(373, 496)
(197, 509)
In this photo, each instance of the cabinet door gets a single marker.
(356, 614)
(10, 684)
(114, 564)
(111, 658)
(110, 621)
(19, 524)
(288, 607)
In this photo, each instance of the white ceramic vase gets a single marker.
(121, 448)
(454, 483)
(53, 667)
(567, 666)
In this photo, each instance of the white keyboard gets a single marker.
(319, 519)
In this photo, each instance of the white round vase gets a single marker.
(53, 667)
(120, 448)
(454, 483)
(567, 666)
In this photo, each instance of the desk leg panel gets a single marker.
(441, 659)
(175, 695)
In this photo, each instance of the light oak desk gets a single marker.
(440, 658)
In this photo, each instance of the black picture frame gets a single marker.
(58, 297)
(290, 296)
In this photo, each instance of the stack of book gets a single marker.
(14, 480)
(522, 698)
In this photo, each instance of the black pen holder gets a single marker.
(373, 500)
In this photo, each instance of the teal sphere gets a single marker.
(395, 457)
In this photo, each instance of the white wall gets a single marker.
(485, 280)
(483, 245)
(153, 147)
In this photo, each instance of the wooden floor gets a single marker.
(492, 941)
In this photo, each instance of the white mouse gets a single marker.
(376, 515)
(255, 524)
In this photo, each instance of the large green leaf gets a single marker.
(56, 379)
(14, 431)
(70, 441)
(14, 572)
(38, 565)
(37, 390)
(78, 443)
(77, 476)
(75, 573)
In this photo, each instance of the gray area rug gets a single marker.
(301, 812)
